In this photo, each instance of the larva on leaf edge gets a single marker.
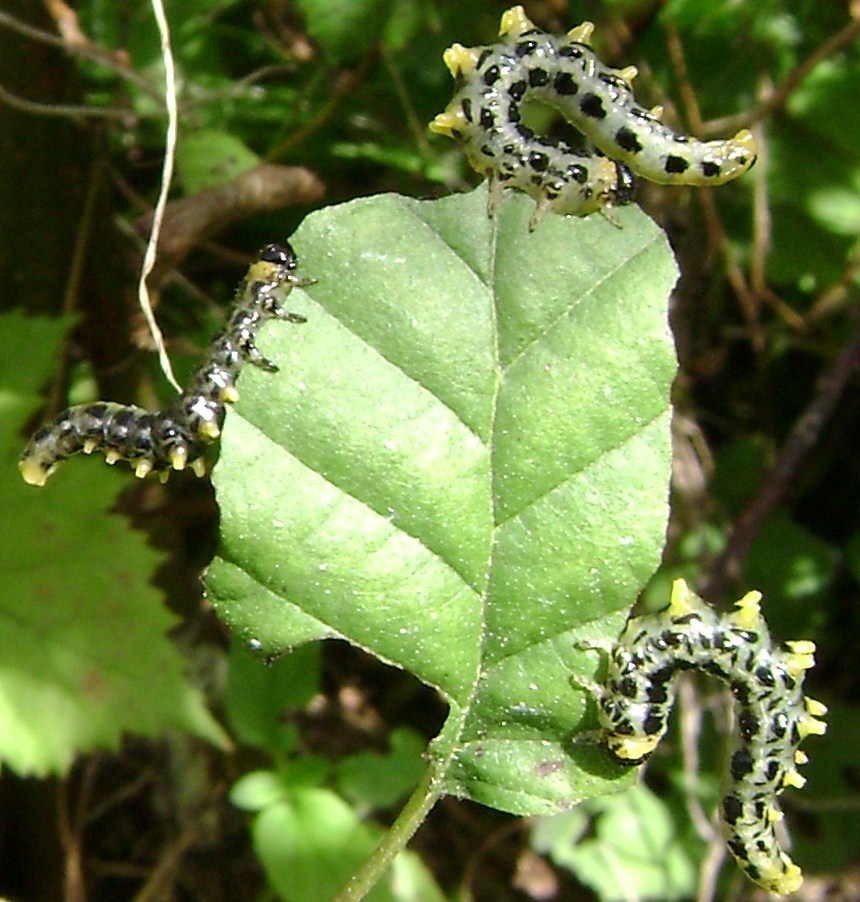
(773, 716)
(178, 436)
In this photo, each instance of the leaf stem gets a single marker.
(414, 812)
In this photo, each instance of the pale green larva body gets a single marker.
(773, 715)
(563, 72)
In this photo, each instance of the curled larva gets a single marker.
(563, 72)
(773, 716)
(179, 435)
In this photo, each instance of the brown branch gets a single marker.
(802, 439)
(108, 59)
(191, 220)
(66, 110)
(779, 97)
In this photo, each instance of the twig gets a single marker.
(834, 296)
(679, 64)
(67, 23)
(735, 275)
(343, 87)
(411, 817)
(88, 51)
(803, 437)
(67, 110)
(778, 98)
(166, 176)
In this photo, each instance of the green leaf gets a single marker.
(208, 157)
(311, 844)
(377, 781)
(824, 839)
(635, 851)
(258, 695)
(345, 29)
(462, 468)
(83, 646)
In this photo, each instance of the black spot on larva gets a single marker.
(564, 84)
(578, 173)
(675, 164)
(517, 90)
(741, 764)
(491, 76)
(710, 169)
(592, 106)
(487, 151)
(513, 113)
(614, 81)
(657, 693)
(732, 809)
(687, 619)
(525, 48)
(748, 724)
(538, 78)
(740, 691)
(538, 161)
(487, 119)
(627, 139)
(778, 727)
(652, 724)
(738, 849)
(771, 770)
(466, 107)
(666, 672)
(639, 112)
(715, 668)
(486, 53)
(627, 687)
(524, 132)
(572, 51)
(750, 869)
(765, 676)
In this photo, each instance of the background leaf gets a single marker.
(82, 631)
(462, 468)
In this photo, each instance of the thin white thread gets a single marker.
(149, 255)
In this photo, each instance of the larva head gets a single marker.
(282, 254)
(745, 147)
(514, 23)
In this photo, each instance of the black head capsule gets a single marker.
(281, 254)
